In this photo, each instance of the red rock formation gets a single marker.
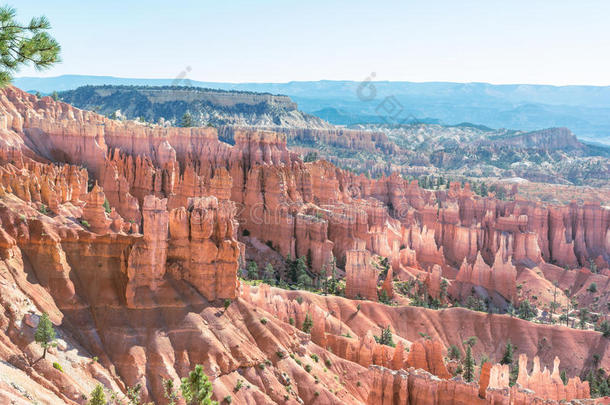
(547, 385)
(145, 303)
(202, 247)
(428, 355)
(360, 276)
(94, 212)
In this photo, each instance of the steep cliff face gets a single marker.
(127, 235)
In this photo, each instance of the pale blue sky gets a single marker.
(535, 41)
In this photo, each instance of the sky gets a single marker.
(556, 42)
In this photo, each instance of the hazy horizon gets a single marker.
(41, 76)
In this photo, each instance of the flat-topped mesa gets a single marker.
(360, 276)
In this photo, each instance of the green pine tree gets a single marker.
(23, 44)
(45, 334)
(469, 364)
(197, 388)
(386, 337)
(454, 353)
(187, 120)
(509, 353)
(169, 393)
(269, 273)
(252, 270)
(564, 377)
(307, 323)
(97, 396)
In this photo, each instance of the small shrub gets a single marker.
(358, 384)
(291, 321)
(454, 353)
(245, 232)
(238, 385)
(280, 354)
(43, 209)
(264, 321)
(328, 363)
(95, 359)
(57, 366)
(85, 223)
(106, 206)
(314, 357)
(261, 366)
(228, 399)
(227, 303)
(308, 368)
(317, 394)
(592, 288)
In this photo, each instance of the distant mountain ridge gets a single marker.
(583, 109)
(207, 106)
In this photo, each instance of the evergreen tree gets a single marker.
(311, 157)
(55, 96)
(197, 388)
(509, 353)
(307, 323)
(604, 328)
(304, 280)
(187, 120)
(252, 270)
(269, 273)
(564, 377)
(471, 341)
(386, 337)
(97, 396)
(169, 393)
(469, 364)
(526, 310)
(454, 353)
(45, 334)
(23, 44)
(514, 373)
(583, 316)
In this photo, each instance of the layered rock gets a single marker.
(360, 276)
(146, 303)
(202, 247)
